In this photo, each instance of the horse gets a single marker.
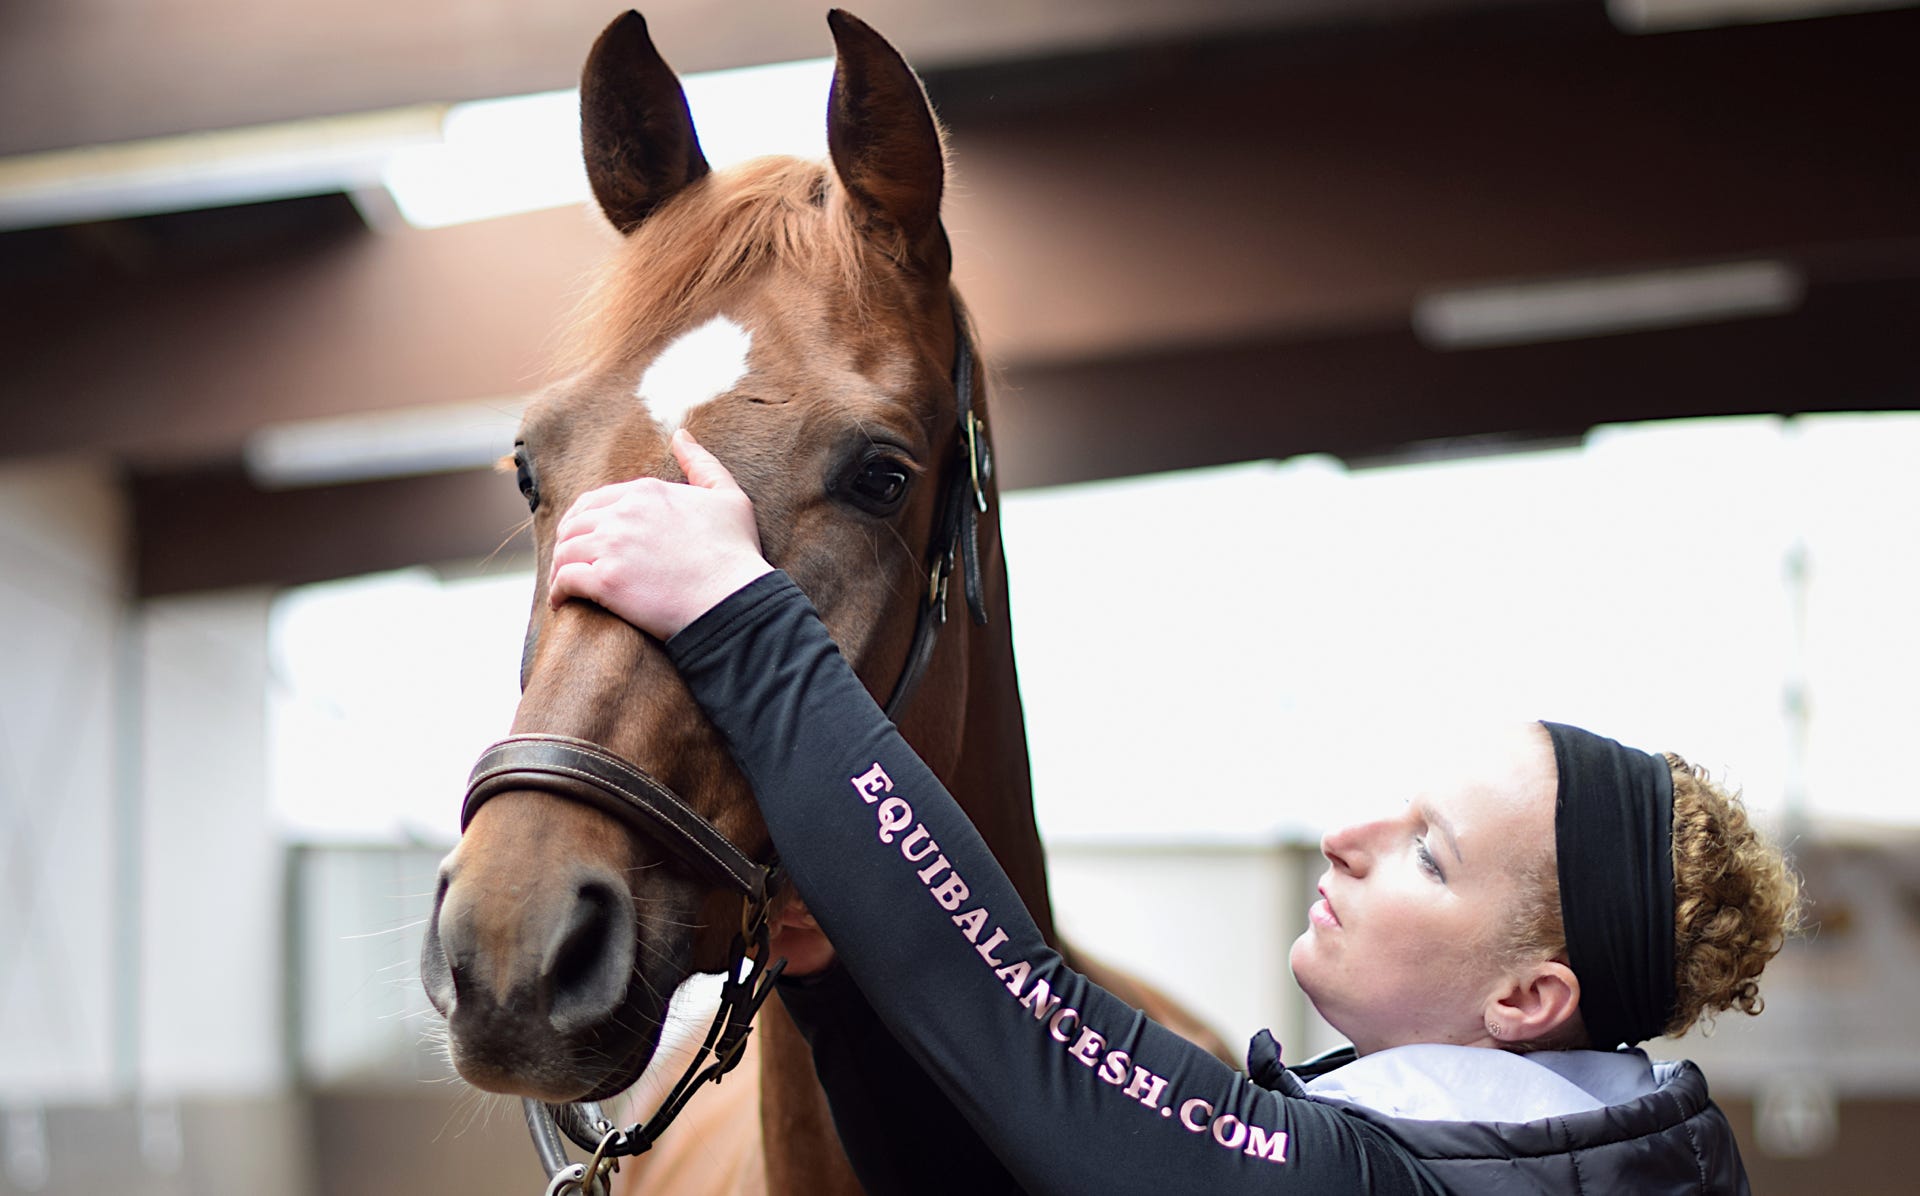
(799, 318)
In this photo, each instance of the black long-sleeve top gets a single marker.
(1068, 1087)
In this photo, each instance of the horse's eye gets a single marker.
(523, 471)
(878, 484)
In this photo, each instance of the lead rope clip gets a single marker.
(591, 1178)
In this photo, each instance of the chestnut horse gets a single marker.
(798, 317)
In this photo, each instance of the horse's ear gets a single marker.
(635, 130)
(886, 147)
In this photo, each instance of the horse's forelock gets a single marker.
(778, 212)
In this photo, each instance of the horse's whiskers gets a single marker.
(659, 956)
(477, 1105)
(663, 920)
(511, 536)
(374, 934)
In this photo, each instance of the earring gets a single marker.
(1493, 1028)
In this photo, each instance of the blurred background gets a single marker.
(1359, 363)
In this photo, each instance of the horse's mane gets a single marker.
(712, 234)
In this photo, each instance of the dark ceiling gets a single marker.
(1185, 244)
(80, 72)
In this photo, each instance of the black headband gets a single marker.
(1613, 830)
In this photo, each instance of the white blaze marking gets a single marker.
(695, 367)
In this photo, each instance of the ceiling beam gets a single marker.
(211, 528)
(1360, 397)
(1368, 397)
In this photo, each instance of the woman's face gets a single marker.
(1404, 945)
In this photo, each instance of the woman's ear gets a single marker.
(1540, 1004)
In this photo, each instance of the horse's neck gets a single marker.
(992, 780)
(992, 783)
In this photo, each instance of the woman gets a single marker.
(1564, 894)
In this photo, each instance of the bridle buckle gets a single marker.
(979, 461)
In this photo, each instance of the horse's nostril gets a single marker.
(437, 972)
(582, 941)
(591, 957)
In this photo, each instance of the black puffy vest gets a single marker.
(1674, 1141)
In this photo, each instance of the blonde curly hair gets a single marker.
(1736, 899)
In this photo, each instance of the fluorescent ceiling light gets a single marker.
(1657, 16)
(522, 154)
(1565, 309)
(385, 444)
(210, 169)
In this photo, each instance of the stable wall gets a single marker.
(141, 934)
(64, 967)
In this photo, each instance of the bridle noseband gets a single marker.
(586, 772)
(582, 771)
(590, 774)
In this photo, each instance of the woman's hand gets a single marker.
(798, 940)
(659, 554)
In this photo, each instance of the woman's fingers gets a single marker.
(656, 553)
(798, 939)
(575, 523)
(573, 573)
(579, 546)
(573, 579)
(601, 540)
(702, 468)
(601, 497)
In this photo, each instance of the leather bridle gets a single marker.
(956, 528)
(582, 771)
